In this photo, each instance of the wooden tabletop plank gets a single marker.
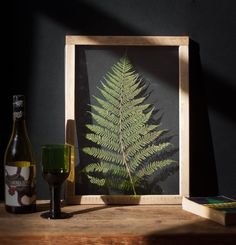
(99, 224)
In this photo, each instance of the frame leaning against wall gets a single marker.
(182, 45)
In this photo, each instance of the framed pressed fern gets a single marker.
(127, 117)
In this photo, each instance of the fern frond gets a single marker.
(119, 184)
(102, 154)
(104, 141)
(148, 128)
(106, 114)
(132, 103)
(106, 167)
(124, 138)
(109, 97)
(136, 137)
(111, 84)
(143, 142)
(132, 84)
(154, 166)
(146, 153)
(106, 91)
(96, 181)
(114, 80)
(129, 122)
(135, 130)
(106, 123)
(131, 80)
(107, 106)
(141, 121)
(103, 132)
(133, 111)
(134, 94)
(123, 70)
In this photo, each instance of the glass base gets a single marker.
(61, 215)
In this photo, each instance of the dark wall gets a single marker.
(34, 61)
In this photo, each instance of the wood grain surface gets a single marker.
(99, 224)
(128, 40)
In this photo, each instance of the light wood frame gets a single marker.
(182, 42)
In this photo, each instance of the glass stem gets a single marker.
(55, 203)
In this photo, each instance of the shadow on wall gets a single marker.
(203, 175)
(18, 67)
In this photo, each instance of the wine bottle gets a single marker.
(19, 164)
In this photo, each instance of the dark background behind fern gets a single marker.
(33, 55)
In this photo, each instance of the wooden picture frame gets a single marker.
(179, 43)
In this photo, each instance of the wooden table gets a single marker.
(114, 225)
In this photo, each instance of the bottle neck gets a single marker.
(19, 124)
(19, 128)
(18, 115)
(18, 108)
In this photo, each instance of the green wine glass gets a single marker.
(55, 163)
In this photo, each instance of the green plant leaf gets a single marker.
(126, 142)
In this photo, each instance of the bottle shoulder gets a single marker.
(19, 148)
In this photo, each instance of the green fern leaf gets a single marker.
(125, 140)
(107, 106)
(106, 123)
(143, 141)
(110, 116)
(96, 181)
(106, 167)
(130, 112)
(103, 132)
(152, 167)
(104, 141)
(136, 137)
(110, 94)
(129, 96)
(103, 154)
(146, 153)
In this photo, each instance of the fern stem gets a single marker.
(120, 135)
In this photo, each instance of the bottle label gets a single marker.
(18, 109)
(20, 184)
